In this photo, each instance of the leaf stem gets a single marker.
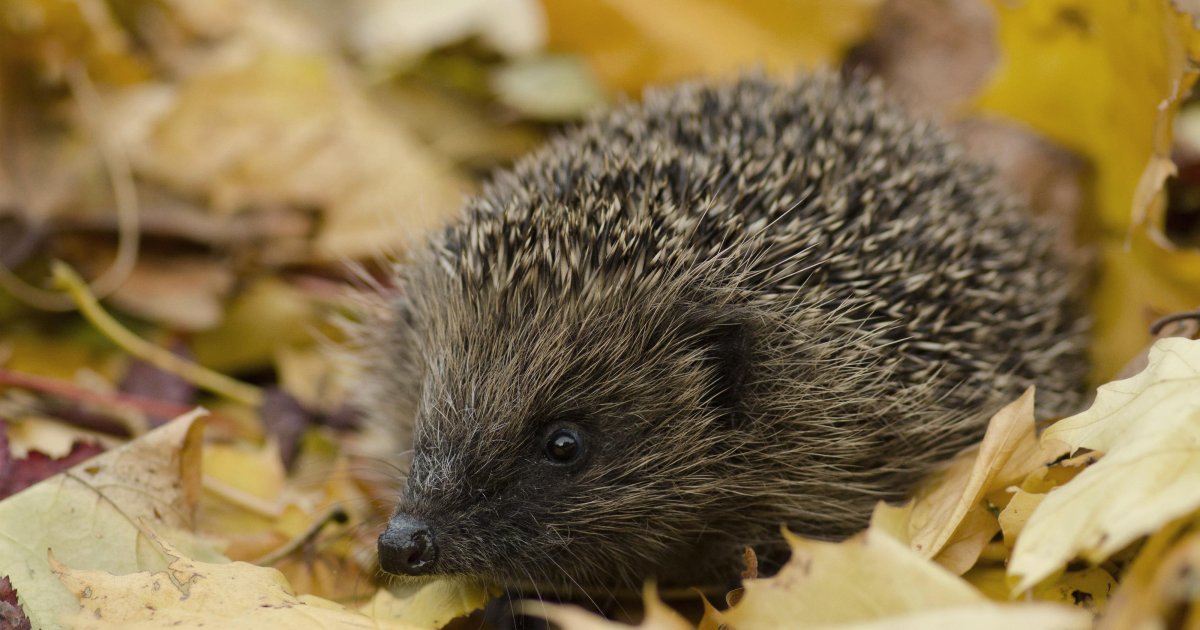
(66, 279)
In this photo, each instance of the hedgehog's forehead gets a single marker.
(508, 357)
(596, 247)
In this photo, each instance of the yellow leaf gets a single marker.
(1105, 79)
(192, 594)
(1139, 281)
(630, 43)
(1153, 589)
(256, 471)
(1088, 588)
(394, 32)
(1102, 78)
(854, 581)
(268, 316)
(949, 519)
(57, 33)
(98, 514)
(1148, 428)
(290, 128)
(982, 617)
(430, 604)
(1014, 516)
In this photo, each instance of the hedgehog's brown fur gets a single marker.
(761, 304)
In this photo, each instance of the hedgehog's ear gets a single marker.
(723, 335)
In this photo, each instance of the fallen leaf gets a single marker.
(981, 617)
(949, 519)
(390, 33)
(1016, 514)
(45, 435)
(828, 583)
(184, 293)
(193, 594)
(1161, 584)
(428, 605)
(111, 502)
(1120, 69)
(1138, 283)
(1148, 428)
(18, 473)
(631, 43)
(291, 128)
(548, 87)
(267, 316)
(1119, 73)
(57, 33)
(11, 616)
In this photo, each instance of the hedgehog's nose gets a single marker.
(407, 546)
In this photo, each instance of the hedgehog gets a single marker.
(697, 319)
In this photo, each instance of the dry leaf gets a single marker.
(981, 617)
(949, 519)
(267, 316)
(837, 583)
(1161, 583)
(389, 33)
(192, 594)
(630, 43)
(1148, 428)
(290, 128)
(428, 605)
(548, 87)
(1016, 514)
(98, 514)
(183, 293)
(1111, 94)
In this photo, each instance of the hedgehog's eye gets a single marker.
(563, 445)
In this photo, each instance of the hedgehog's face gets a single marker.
(565, 444)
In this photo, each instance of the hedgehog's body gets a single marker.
(695, 320)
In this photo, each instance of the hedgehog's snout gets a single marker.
(408, 546)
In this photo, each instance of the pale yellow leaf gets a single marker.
(548, 87)
(1148, 428)
(267, 316)
(48, 436)
(98, 515)
(185, 293)
(430, 604)
(256, 471)
(630, 43)
(193, 594)
(981, 617)
(394, 32)
(949, 519)
(290, 128)
(1119, 71)
(1014, 515)
(1156, 587)
(857, 580)
(1087, 588)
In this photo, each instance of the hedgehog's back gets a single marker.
(823, 201)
